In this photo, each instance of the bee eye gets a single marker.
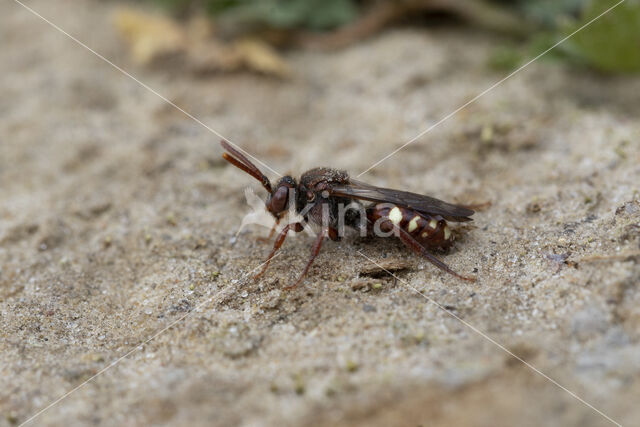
(311, 196)
(278, 201)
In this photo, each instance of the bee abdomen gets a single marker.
(428, 230)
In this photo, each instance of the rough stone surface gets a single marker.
(117, 220)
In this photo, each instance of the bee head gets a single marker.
(282, 194)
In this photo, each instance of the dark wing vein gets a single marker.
(418, 202)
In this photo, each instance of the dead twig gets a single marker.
(385, 13)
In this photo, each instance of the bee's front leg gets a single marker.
(271, 233)
(297, 227)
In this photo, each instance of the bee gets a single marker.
(321, 195)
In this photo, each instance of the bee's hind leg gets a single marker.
(477, 206)
(416, 247)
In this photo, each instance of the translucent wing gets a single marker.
(418, 202)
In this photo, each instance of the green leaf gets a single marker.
(311, 14)
(612, 42)
(504, 58)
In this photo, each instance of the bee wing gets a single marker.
(418, 202)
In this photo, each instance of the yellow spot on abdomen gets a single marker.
(433, 224)
(395, 215)
(447, 233)
(424, 235)
(413, 224)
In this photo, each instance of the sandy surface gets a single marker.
(117, 218)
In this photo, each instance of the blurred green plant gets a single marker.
(281, 14)
(547, 13)
(505, 58)
(612, 43)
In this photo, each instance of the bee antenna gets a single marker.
(237, 159)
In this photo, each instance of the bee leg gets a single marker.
(297, 227)
(333, 234)
(477, 206)
(271, 233)
(416, 247)
(315, 250)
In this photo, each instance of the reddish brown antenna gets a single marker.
(238, 160)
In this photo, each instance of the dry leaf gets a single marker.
(149, 35)
(199, 28)
(259, 56)
(384, 268)
(211, 57)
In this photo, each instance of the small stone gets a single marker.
(486, 135)
(359, 284)
(12, 418)
(533, 207)
(351, 366)
(299, 385)
(369, 308)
